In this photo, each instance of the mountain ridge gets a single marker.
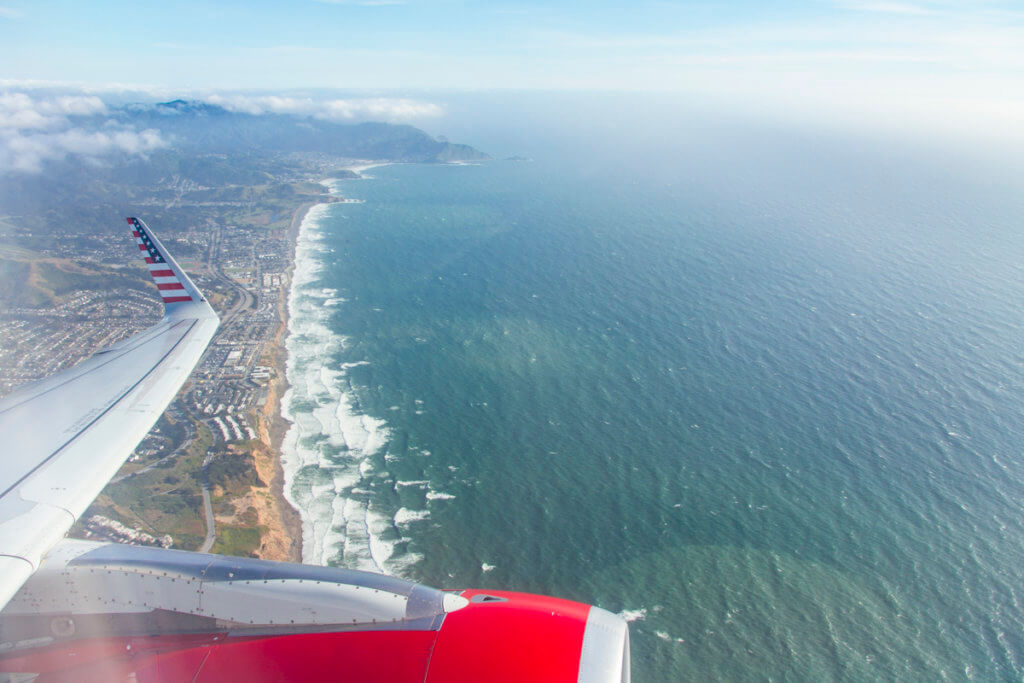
(194, 124)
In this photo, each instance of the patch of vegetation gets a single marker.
(238, 541)
(234, 472)
(223, 508)
(59, 277)
(165, 500)
(250, 517)
(15, 279)
(30, 278)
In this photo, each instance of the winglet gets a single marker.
(176, 289)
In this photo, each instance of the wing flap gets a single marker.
(15, 571)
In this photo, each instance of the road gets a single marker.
(245, 297)
(211, 529)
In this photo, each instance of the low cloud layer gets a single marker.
(372, 108)
(38, 129)
(20, 111)
(21, 152)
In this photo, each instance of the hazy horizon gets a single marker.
(935, 69)
(45, 122)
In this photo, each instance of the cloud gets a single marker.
(34, 130)
(262, 104)
(385, 108)
(19, 111)
(10, 13)
(376, 108)
(28, 152)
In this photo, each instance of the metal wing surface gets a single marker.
(65, 437)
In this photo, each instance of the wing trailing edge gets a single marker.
(67, 435)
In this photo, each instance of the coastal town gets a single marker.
(207, 476)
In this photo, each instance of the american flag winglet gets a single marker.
(170, 286)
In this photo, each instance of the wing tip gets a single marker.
(176, 290)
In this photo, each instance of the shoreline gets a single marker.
(283, 521)
(335, 527)
(364, 166)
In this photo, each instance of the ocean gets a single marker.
(763, 399)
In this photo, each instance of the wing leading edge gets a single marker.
(66, 436)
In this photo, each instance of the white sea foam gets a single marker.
(381, 550)
(405, 516)
(634, 614)
(329, 451)
(439, 495)
(413, 482)
(487, 567)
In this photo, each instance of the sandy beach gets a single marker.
(360, 166)
(282, 539)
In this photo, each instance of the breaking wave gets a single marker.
(326, 453)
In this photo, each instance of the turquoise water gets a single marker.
(770, 411)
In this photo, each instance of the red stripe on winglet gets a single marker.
(162, 273)
(142, 247)
(135, 233)
(130, 220)
(171, 285)
(149, 259)
(172, 299)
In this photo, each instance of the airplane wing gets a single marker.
(68, 434)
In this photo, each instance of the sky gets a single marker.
(940, 64)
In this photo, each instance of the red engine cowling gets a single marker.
(501, 636)
(98, 612)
